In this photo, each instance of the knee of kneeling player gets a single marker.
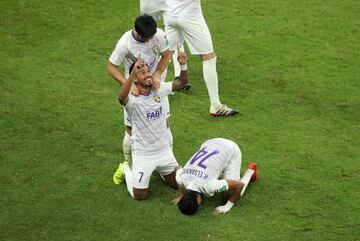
(141, 195)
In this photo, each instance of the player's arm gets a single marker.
(181, 190)
(123, 95)
(115, 73)
(116, 58)
(234, 188)
(165, 54)
(180, 83)
(163, 63)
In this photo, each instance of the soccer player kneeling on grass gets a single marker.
(216, 158)
(150, 145)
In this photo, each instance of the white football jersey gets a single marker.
(202, 171)
(149, 131)
(183, 8)
(128, 49)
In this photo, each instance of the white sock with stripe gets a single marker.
(211, 80)
(176, 64)
(127, 148)
(246, 179)
(171, 140)
(129, 180)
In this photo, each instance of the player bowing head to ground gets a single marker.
(147, 40)
(217, 158)
(150, 148)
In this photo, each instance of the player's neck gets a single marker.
(136, 36)
(143, 90)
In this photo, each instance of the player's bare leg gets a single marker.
(170, 179)
(141, 194)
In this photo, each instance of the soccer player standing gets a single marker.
(216, 158)
(150, 148)
(156, 9)
(150, 43)
(184, 21)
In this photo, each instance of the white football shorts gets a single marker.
(232, 170)
(154, 8)
(193, 30)
(143, 166)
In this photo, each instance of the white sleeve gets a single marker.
(163, 41)
(165, 88)
(130, 104)
(215, 186)
(119, 53)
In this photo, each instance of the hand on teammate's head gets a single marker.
(182, 57)
(138, 66)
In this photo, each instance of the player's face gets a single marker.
(144, 77)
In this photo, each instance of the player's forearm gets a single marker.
(235, 195)
(234, 184)
(125, 90)
(183, 79)
(236, 187)
(163, 63)
(115, 73)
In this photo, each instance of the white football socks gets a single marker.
(129, 180)
(127, 148)
(211, 80)
(246, 179)
(176, 64)
(171, 140)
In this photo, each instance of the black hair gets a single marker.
(188, 204)
(145, 26)
(132, 67)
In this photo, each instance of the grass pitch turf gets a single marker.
(291, 67)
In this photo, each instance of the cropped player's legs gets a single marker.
(211, 77)
(197, 36)
(154, 8)
(137, 194)
(166, 167)
(177, 69)
(170, 179)
(249, 175)
(127, 145)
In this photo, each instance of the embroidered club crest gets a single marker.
(156, 98)
(155, 49)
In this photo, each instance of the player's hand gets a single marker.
(177, 199)
(182, 57)
(221, 210)
(156, 81)
(134, 90)
(139, 65)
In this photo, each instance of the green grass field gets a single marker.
(291, 67)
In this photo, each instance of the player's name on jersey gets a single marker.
(194, 172)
